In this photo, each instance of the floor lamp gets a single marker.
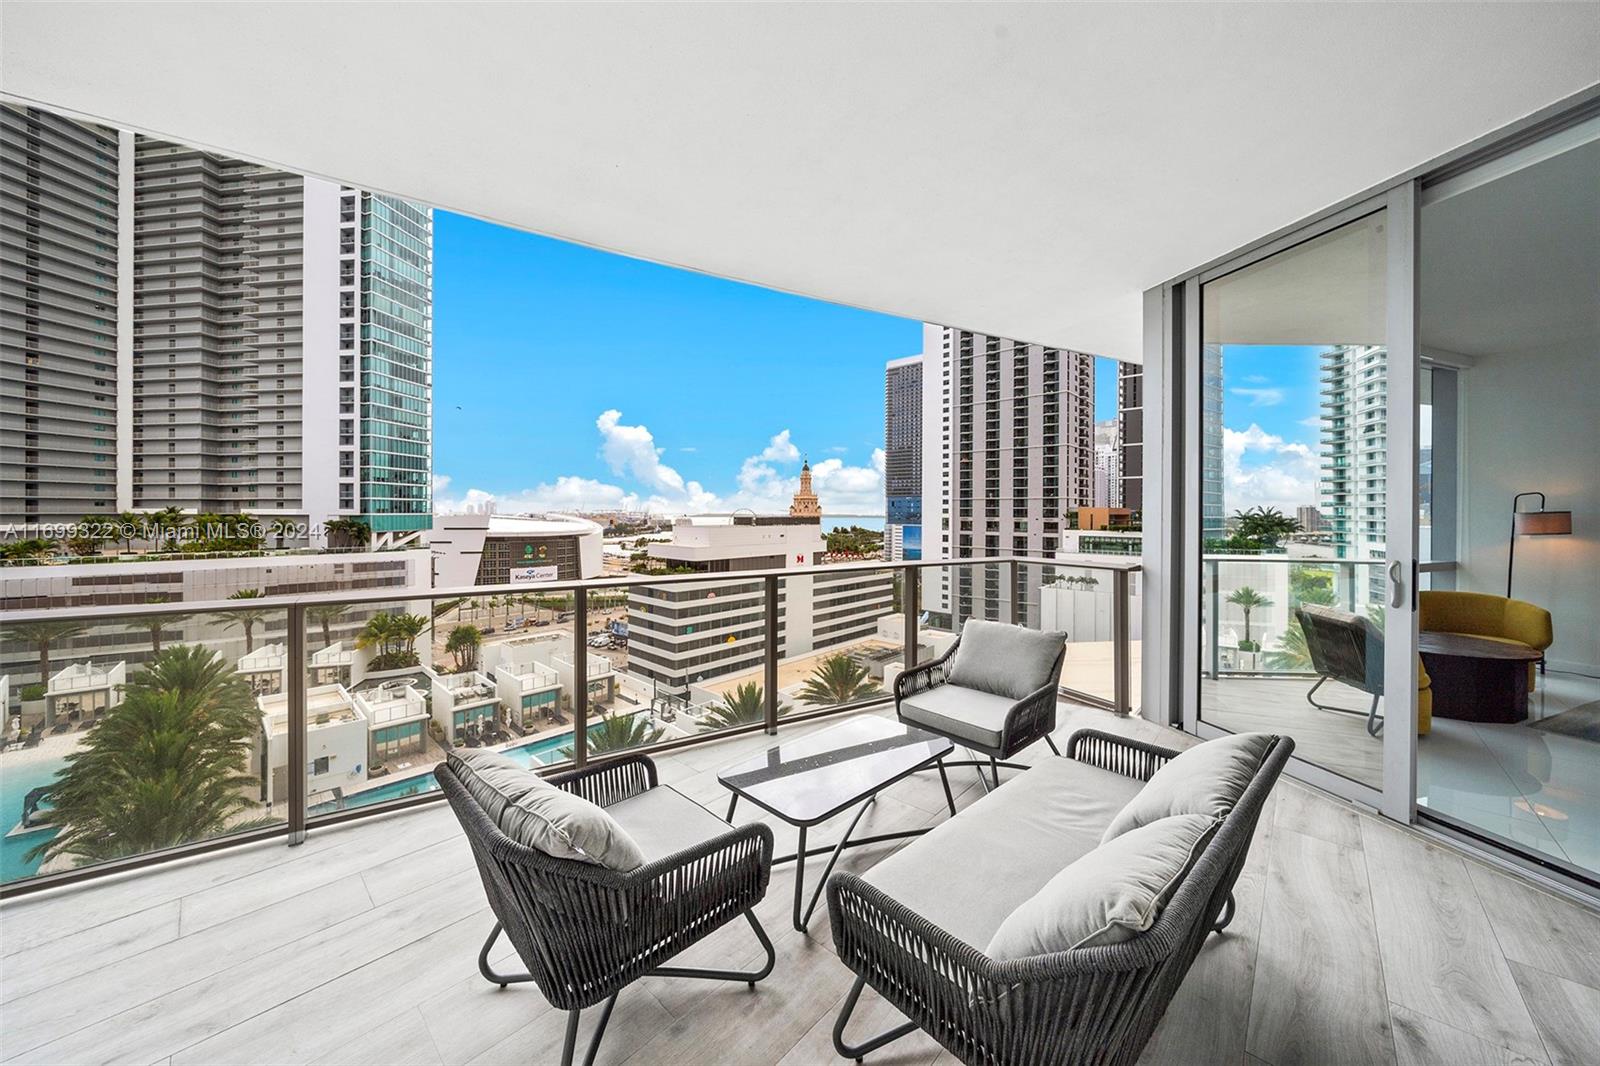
(1540, 523)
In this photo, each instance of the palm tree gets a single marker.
(168, 523)
(394, 635)
(40, 636)
(28, 550)
(247, 619)
(463, 644)
(1247, 599)
(1292, 656)
(155, 625)
(616, 732)
(745, 705)
(1263, 527)
(129, 524)
(167, 766)
(839, 679)
(323, 618)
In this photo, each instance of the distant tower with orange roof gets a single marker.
(805, 503)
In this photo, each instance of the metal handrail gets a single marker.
(295, 608)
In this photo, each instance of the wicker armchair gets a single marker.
(585, 932)
(980, 722)
(1085, 1005)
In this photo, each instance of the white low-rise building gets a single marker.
(336, 743)
(84, 690)
(397, 717)
(332, 665)
(462, 701)
(529, 689)
(265, 668)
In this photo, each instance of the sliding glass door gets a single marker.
(1301, 499)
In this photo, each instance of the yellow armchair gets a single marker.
(1424, 700)
(1481, 614)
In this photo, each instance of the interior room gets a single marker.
(1510, 331)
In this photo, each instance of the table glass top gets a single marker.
(1462, 644)
(814, 777)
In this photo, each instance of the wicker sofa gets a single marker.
(914, 926)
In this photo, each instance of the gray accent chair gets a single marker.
(993, 692)
(1347, 648)
(916, 926)
(587, 931)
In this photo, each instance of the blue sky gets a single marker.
(566, 377)
(1270, 425)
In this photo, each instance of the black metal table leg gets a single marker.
(838, 849)
(949, 797)
(799, 878)
(733, 801)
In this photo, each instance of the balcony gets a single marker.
(360, 944)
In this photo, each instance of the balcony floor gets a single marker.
(1355, 941)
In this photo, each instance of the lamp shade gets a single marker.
(1543, 523)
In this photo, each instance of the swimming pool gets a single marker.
(17, 779)
(540, 752)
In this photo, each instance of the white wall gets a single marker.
(1529, 423)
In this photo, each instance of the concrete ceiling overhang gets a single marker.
(1026, 170)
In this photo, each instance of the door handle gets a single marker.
(1397, 585)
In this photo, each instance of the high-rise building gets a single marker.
(902, 457)
(1213, 505)
(1130, 433)
(1107, 464)
(248, 339)
(60, 214)
(1354, 453)
(1008, 450)
(1309, 517)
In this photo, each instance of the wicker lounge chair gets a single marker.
(586, 931)
(1019, 671)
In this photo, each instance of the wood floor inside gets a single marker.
(1355, 941)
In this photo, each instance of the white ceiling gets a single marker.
(1513, 266)
(1026, 170)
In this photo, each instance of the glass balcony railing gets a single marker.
(162, 730)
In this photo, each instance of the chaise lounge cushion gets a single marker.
(663, 821)
(1207, 779)
(965, 714)
(1110, 895)
(537, 814)
(1005, 660)
(968, 874)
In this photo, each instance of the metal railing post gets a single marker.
(1013, 573)
(769, 656)
(1121, 651)
(1347, 572)
(911, 604)
(580, 676)
(298, 665)
(1216, 617)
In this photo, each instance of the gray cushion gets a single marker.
(663, 822)
(1005, 660)
(1207, 779)
(537, 814)
(567, 826)
(1110, 895)
(496, 781)
(964, 713)
(969, 873)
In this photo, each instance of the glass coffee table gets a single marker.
(815, 777)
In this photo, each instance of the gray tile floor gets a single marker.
(1356, 941)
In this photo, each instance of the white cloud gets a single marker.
(780, 449)
(838, 449)
(632, 454)
(1260, 397)
(1279, 473)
